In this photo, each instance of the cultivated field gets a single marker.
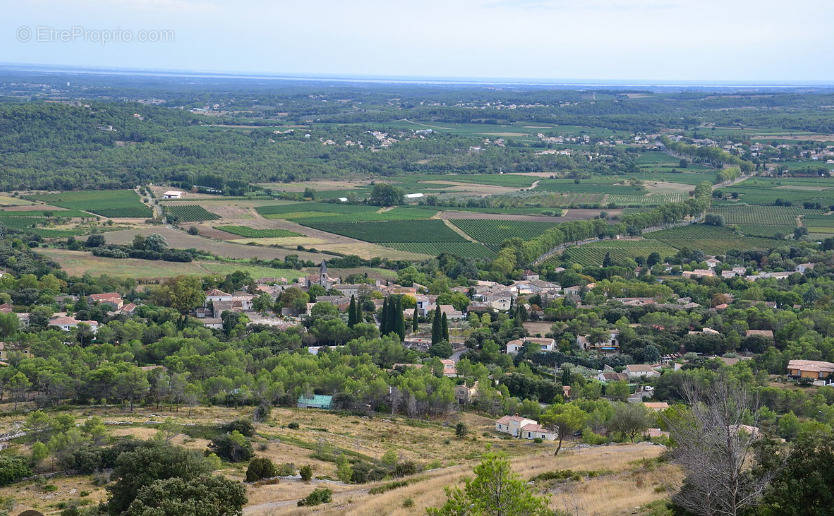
(107, 203)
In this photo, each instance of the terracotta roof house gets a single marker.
(111, 298)
(522, 427)
(811, 369)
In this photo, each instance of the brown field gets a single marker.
(182, 240)
(796, 137)
(666, 187)
(78, 263)
(538, 328)
(473, 188)
(321, 184)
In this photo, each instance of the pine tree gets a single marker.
(444, 328)
(436, 330)
(606, 261)
(414, 322)
(352, 312)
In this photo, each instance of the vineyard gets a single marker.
(654, 199)
(391, 232)
(323, 212)
(592, 254)
(496, 231)
(248, 232)
(764, 215)
(189, 213)
(460, 249)
(820, 224)
(107, 203)
(709, 239)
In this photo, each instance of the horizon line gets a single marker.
(417, 79)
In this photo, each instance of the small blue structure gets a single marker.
(319, 401)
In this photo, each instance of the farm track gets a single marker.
(459, 231)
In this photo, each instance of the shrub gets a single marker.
(460, 430)
(318, 496)
(406, 467)
(306, 472)
(293, 426)
(233, 447)
(408, 503)
(243, 426)
(12, 469)
(260, 468)
(387, 487)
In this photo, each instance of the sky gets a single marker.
(641, 40)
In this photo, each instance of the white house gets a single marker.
(524, 428)
(67, 323)
(514, 346)
(544, 344)
(172, 194)
(641, 370)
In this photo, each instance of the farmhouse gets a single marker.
(172, 194)
(811, 369)
(524, 428)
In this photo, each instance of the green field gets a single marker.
(496, 231)
(399, 231)
(593, 253)
(318, 211)
(766, 215)
(710, 239)
(189, 213)
(461, 249)
(765, 190)
(107, 203)
(819, 223)
(246, 231)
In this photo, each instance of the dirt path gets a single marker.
(458, 230)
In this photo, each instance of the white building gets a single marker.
(524, 428)
(172, 194)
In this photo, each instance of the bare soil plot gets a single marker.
(667, 187)
(321, 184)
(538, 328)
(29, 207)
(473, 188)
(796, 137)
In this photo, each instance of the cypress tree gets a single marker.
(400, 318)
(352, 312)
(444, 328)
(436, 330)
(414, 322)
(358, 314)
(391, 316)
(383, 320)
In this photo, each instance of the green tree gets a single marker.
(564, 419)
(436, 326)
(802, 485)
(9, 324)
(415, 321)
(39, 452)
(495, 490)
(260, 468)
(147, 464)
(306, 472)
(384, 194)
(444, 327)
(205, 495)
(630, 419)
(352, 312)
(617, 391)
(234, 447)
